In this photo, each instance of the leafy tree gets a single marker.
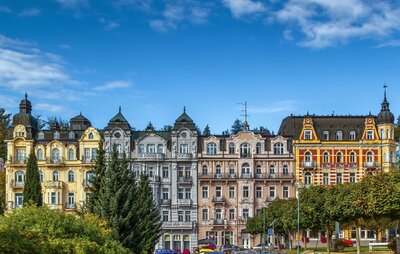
(206, 131)
(63, 124)
(34, 229)
(166, 128)
(41, 123)
(237, 126)
(3, 204)
(5, 120)
(32, 188)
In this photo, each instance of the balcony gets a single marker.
(87, 184)
(70, 207)
(219, 199)
(339, 165)
(273, 176)
(246, 201)
(177, 225)
(165, 202)
(247, 175)
(12, 160)
(54, 206)
(53, 184)
(352, 165)
(219, 222)
(184, 156)
(88, 160)
(154, 179)
(308, 164)
(184, 202)
(325, 165)
(151, 156)
(270, 199)
(184, 180)
(16, 185)
(370, 164)
(55, 160)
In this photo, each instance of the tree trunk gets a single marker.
(328, 240)
(358, 238)
(305, 240)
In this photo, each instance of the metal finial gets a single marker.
(80, 112)
(184, 109)
(26, 95)
(384, 87)
(119, 109)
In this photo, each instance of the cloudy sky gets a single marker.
(152, 57)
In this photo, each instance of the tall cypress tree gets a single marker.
(150, 223)
(96, 187)
(32, 189)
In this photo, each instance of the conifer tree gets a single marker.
(99, 170)
(237, 126)
(206, 131)
(149, 225)
(32, 189)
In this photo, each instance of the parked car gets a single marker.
(164, 251)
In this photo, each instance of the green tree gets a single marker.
(237, 126)
(34, 229)
(97, 198)
(32, 189)
(5, 120)
(150, 223)
(206, 131)
(166, 128)
(41, 123)
(2, 192)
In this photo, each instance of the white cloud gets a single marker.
(54, 108)
(73, 4)
(5, 9)
(8, 101)
(139, 4)
(113, 85)
(241, 8)
(64, 46)
(29, 12)
(108, 24)
(173, 14)
(391, 43)
(326, 23)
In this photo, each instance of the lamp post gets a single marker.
(263, 234)
(299, 185)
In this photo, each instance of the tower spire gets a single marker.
(184, 109)
(119, 110)
(384, 93)
(26, 95)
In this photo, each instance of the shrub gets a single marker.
(339, 244)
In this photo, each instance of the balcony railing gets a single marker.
(217, 176)
(16, 185)
(184, 202)
(53, 184)
(184, 179)
(165, 202)
(270, 199)
(87, 183)
(370, 164)
(154, 179)
(273, 176)
(70, 206)
(308, 164)
(219, 222)
(177, 225)
(184, 156)
(247, 175)
(54, 160)
(151, 156)
(88, 160)
(218, 199)
(13, 160)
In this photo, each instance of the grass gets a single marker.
(346, 250)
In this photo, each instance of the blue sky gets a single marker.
(152, 57)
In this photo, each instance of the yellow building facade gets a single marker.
(65, 160)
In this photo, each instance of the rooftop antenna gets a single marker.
(245, 114)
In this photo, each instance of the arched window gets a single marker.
(40, 175)
(231, 148)
(20, 176)
(90, 136)
(325, 158)
(218, 170)
(307, 178)
(352, 135)
(245, 150)
(211, 148)
(370, 157)
(89, 177)
(278, 148)
(339, 157)
(40, 154)
(55, 176)
(56, 135)
(272, 170)
(184, 148)
(258, 148)
(71, 176)
(141, 148)
(151, 148)
(71, 135)
(339, 135)
(352, 157)
(285, 170)
(160, 148)
(307, 157)
(381, 132)
(258, 170)
(55, 155)
(204, 170)
(246, 170)
(71, 154)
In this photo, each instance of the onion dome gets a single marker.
(24, 116)
(385, 116)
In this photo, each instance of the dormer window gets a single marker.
(245, 150)
(278, 148)
(151, 148)
(56, 135)
(370, 134)
(339, 135)
(325, 135)
(71, 135)
(183, 148)
(352, 135)
(211, 148)
(141, 148)
(41, 135)
(160, 148)
(307, 134)
(90, 136)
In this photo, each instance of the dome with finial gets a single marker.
(150, 127)
(118, 121)
(79, 122)
(385, 116)
(184, 121)
(24, 116)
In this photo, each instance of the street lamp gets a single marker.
(263, 233)
(298, 185)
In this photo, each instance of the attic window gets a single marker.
(56, 135)
(90, 136)
(71, 135)
(41, 135)
(307, 134)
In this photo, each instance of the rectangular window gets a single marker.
(165, 193)
(204, 214)
(370, 134)
(272, 192)
(87, 154)
(187, 215)
(180, 215)
(53, 200)
(19, 200)
(258, 192)
(218, 214)
(188, 193)
(165, 172)
(94, 153)
(245, 191)
(184, 148)
(285, 191)
(307, 134)
(165, 216)
(339, 179)
(352, 177)
(21, 154)
(326, 178)
(180, 193)
(231, 192)
(205, 192)
(218, 191)
(71, 199)
(245, 213)
(231, 214)
(181, 171)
